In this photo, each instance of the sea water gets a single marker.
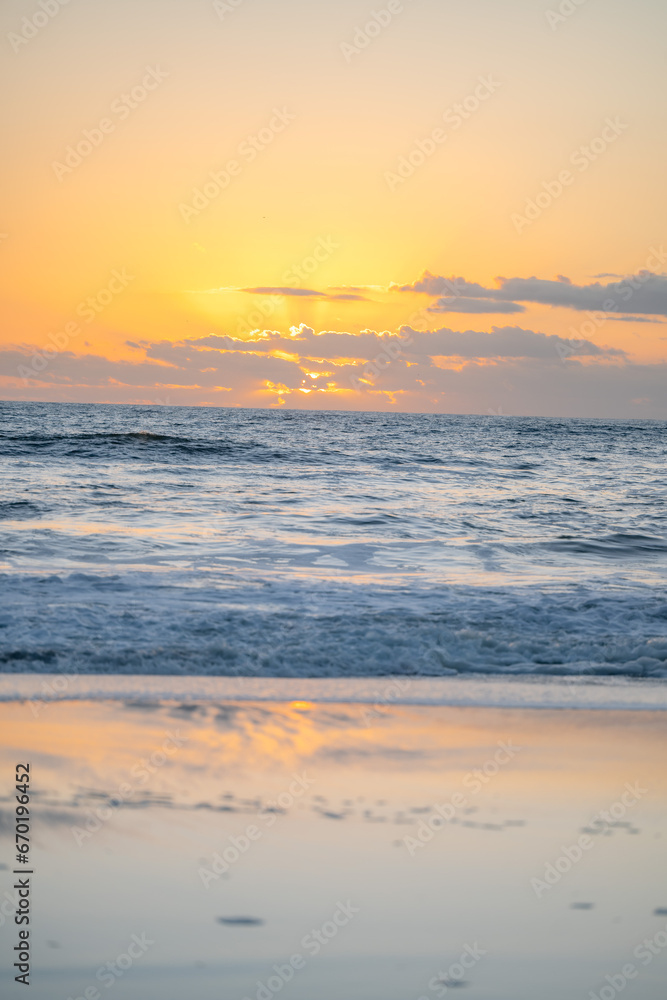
(164, 540)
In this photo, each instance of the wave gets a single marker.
(39, 440)
(89, 625)
(133, 444)
(18, 510)
(143, 445)
(269, 543)
(613, 545)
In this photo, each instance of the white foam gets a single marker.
(209, 624)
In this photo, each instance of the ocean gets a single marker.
(281, 543)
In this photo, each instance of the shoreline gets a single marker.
(484, 691)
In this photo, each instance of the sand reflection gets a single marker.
(388, 850)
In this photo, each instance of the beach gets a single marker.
(257, 845)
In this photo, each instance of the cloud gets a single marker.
(347, 297)
(358, 288)
(444, 370)
(634, 319)
(304, 343)
(503, 342)
(282, 290)
(433, 284)
(167, 364)
(463, 305)
(528, 386)
(510, 370)
(288, 291)
(644, 293)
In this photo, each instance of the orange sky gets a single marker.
(352, 154)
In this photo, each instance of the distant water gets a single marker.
(172, 540)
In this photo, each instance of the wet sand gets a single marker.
(320, 850)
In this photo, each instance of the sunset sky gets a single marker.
(420, 206)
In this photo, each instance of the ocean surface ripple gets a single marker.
(177, 540)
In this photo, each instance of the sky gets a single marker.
(425, 205)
